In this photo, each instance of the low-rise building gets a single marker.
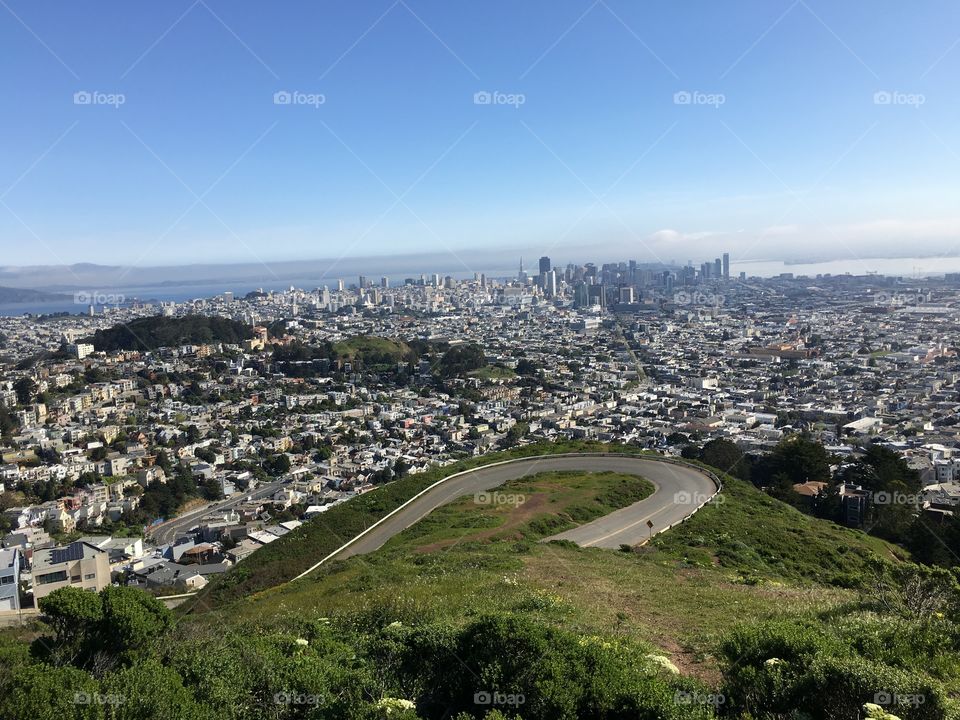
(79, 565)
(9, 579)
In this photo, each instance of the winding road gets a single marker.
(680, 491)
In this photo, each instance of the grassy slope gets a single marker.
(364, 344)
(679, 594)
(287, 557)
(761, 538)
(528, 509)
(493, 372)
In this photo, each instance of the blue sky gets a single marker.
(784, 150)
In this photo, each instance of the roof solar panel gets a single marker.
(73, 551)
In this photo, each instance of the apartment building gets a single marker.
(9, 580)
(79, 565)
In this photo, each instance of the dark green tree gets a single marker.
(25, 388)
(461, 359)
(726, 457)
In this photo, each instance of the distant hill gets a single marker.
(11, 295)
(372, 350)
(156, 332)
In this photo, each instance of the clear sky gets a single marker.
(651, 130)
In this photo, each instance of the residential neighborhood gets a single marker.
(164, 466)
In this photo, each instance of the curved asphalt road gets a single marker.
(680, 490)
(168, 531)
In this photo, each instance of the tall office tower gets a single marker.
(581, 295)
(544, 265)
(726, 266)
(384, 282)
(704, 271)
(551, 283)
(743, 276)
(339, 285)
(626, 295)
(325, 297)
(483, 280)
(436, 279)
(597, 295)
(228, 297)
(718, 268)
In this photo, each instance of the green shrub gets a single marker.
(831, 669)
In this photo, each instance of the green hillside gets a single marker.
(749, 610)
(760, 538)
(289, 556)
(810, 546)
(155, 332)
(747, 569)
(493, 372)
(689, 577)
(372, 350)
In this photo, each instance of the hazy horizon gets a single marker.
(181, 283)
